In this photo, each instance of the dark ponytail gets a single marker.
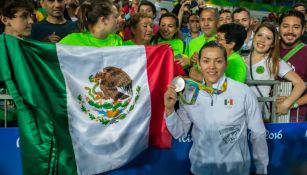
(92, 10)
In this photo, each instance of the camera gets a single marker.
(193, 4)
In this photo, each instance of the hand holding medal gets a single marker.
(179, 83)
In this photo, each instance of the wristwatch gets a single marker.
(295, 105)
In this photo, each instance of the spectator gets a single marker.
(158, 11)
(163, 11)
(254, 23)
(208, 25)
(134, 6)
(99, 23)
(194, 29)
(55, 26)
(225, 17)
(177, 7)
(304, 35)
(223, 112)
(148, 8)
(141, 29)
(242, 16)
(264, 64)
(183, 16)
(291, 27)
(272, 18)
(301, 8)
(121, 20)
(169, 33)
(17, 17)
(232, 36)
(71, 9)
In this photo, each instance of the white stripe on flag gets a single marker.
(99, 148)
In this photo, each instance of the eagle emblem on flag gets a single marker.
(109, 98)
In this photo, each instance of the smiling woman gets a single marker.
(219, 119)
(169, 33)
(264, 64)
(212, 63)
(141, 27)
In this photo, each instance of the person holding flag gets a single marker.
(219, 116)
(17, 18)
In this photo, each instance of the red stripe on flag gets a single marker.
(160, 72)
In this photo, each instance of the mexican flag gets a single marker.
(85, 110)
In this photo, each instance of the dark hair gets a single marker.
(148, 3)
(135, 20)
(233, 33)
(224, 11)
(158, 35)
(164, 9)
(298, 5)
(10, 7)
(273, 65)
(192, 14)
(92, 10)
(213, 44)
(294, 13)
(239, 10)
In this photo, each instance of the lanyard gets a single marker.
(293, 51)
(199, 86)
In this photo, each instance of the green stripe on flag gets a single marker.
(33, 77)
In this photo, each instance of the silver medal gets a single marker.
(179, 83)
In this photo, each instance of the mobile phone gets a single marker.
(193, 4)
(127, 17)
(178, 56)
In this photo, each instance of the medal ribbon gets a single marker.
(199, 86)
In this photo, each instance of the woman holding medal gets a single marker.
(220, 110)
(264, 63)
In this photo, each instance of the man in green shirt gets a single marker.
(208, 24)
(232, 36)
